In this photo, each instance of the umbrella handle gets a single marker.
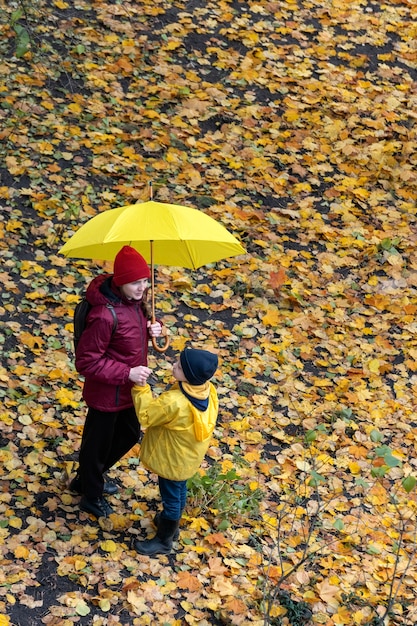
(155, 344)
(162, 348)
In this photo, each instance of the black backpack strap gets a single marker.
(113, 312)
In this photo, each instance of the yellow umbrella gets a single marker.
(164, 234)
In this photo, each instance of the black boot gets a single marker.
(162, 542)
(156, 521)
(109, 488)
(97, 506)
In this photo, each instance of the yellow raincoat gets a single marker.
(177, 435)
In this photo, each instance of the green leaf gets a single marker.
(361, 482)
(376, 436)
(316, 479)
(82, 608)
(224, 525)
(338, 524)
(15, 16)
(409, 483)
(311, 436)
(392, 461)
(383, 451)
(379, 472)
(23, 41)
(386, 243)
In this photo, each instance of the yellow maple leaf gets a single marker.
(14, 168)
(173, 45)
(108, 546)
(13, 225)
(179, 342)
(343, 616)
(239, 425)
(253, 455)
(45, 147)
(66, 397)
(31, 341)
(374, 365)
(253, 436)
(272, 317)
(291, 115)
(75, 108)
(299, 187)
(21, 552)
(199, 523)
(354, 467)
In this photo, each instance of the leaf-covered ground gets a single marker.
(293, 122)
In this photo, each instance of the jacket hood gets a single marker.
(203, 423)
(102, 290)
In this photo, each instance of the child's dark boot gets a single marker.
(156, 520)
(162, 542)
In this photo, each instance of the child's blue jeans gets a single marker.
(174, 495)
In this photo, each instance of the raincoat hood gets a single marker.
(203, 426)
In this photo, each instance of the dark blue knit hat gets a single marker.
(198, 365)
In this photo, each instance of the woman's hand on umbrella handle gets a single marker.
(157, 330)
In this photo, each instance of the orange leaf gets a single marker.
(277, 279)
(216, 538)
(188, 581)
(358, 452)
(234, 606)
(216, 566)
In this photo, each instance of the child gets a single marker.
(179, 425)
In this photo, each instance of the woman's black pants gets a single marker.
(106, 438)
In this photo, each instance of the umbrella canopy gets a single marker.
(164, 234)
(180, 236)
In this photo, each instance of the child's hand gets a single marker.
(139, 375)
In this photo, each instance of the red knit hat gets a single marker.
(129, 266)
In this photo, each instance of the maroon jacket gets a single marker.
(105, 357)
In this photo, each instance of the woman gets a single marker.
(112, 357)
